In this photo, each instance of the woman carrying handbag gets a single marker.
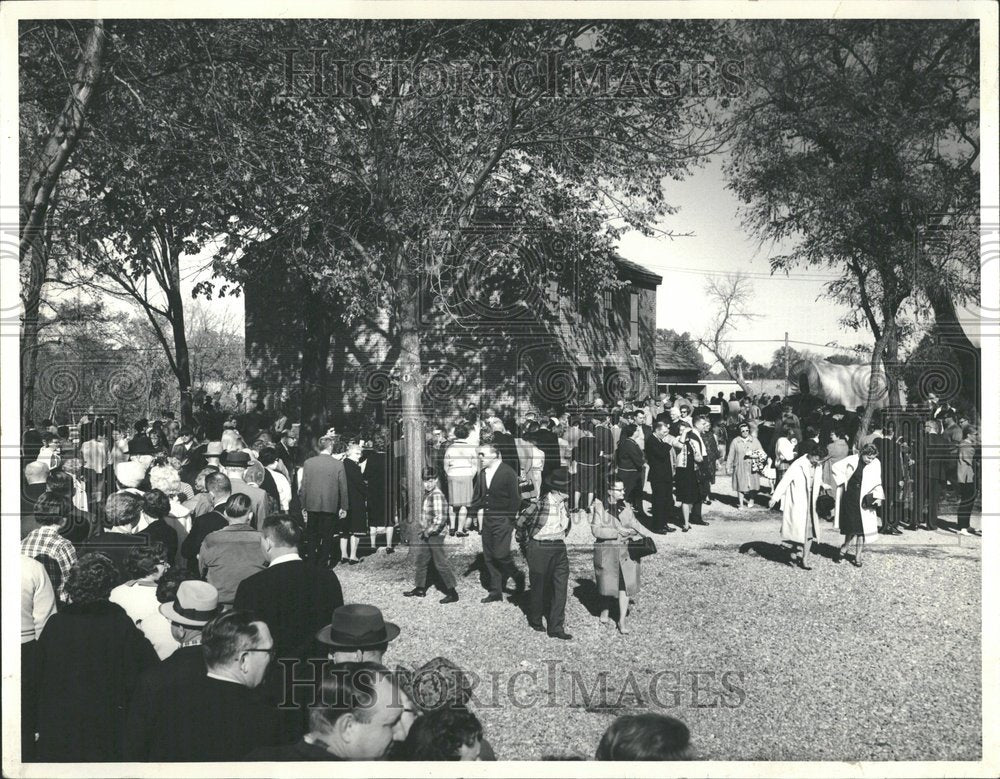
(616, 571)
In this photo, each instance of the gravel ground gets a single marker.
(762, 661)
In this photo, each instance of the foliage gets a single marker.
(860, 138)
(684, 347)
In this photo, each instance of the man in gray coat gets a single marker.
(323, 493)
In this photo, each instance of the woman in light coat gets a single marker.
(616, 573)
(860, 475)
(746, 481)
(798, 490)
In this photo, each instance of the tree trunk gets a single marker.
(949, 332)
(890, 362)
(411, 390)
(876, 384)
(312, 393)
(181, 355)
(37, 193)
(29, 331)
(736, 373)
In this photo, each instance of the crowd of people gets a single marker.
(177, 581)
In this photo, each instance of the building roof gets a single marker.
(635, 272)
(668, 359)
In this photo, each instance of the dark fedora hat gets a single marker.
(357, 626)
(142, 446)
(559, 480)
(234, 459)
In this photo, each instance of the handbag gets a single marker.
(641, 547)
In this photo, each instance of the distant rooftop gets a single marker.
(669, 359)
(636, 272)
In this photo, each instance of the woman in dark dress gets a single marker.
(90, 656)
(586, 457)
(630, 463)
(689, 482)
(376, 460)
(862, 497)
(357, 504)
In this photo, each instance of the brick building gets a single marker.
(534, 350)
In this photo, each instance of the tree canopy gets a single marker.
(859, 139)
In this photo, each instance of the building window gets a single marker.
(633, 322)
(609, 307)
(635, 377)
(583, 385)
(612, 384)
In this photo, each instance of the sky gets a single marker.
(719, 245)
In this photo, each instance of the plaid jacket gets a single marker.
(434, 516)
(45, 541)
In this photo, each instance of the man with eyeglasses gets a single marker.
(497, 492)
(218, 716)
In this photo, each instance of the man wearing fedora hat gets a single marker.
(195, 604)
(548, 562)
(357, 633)
(234, 464)
(498, 493)
(213, 453)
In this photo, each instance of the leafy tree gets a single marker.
(369, 197)
(776, 370)
(51, 124)
(684, 347)
(859, 139)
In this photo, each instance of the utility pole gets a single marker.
(786, 364)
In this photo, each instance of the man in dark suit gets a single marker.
(639, 419)
(545, 438)
(234, 465)
(439, 445)
(218, 487)
(605, 438)
(294, 599)
(218, 716)
(932, 460)
(505, 445)
(659, 452)
(323, 493)
(139, 443)
(497, 492)
(31, 442)
(35, 474)
(195, 604)
(889, 458)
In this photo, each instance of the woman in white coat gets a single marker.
(861, 477)
(798, 490)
